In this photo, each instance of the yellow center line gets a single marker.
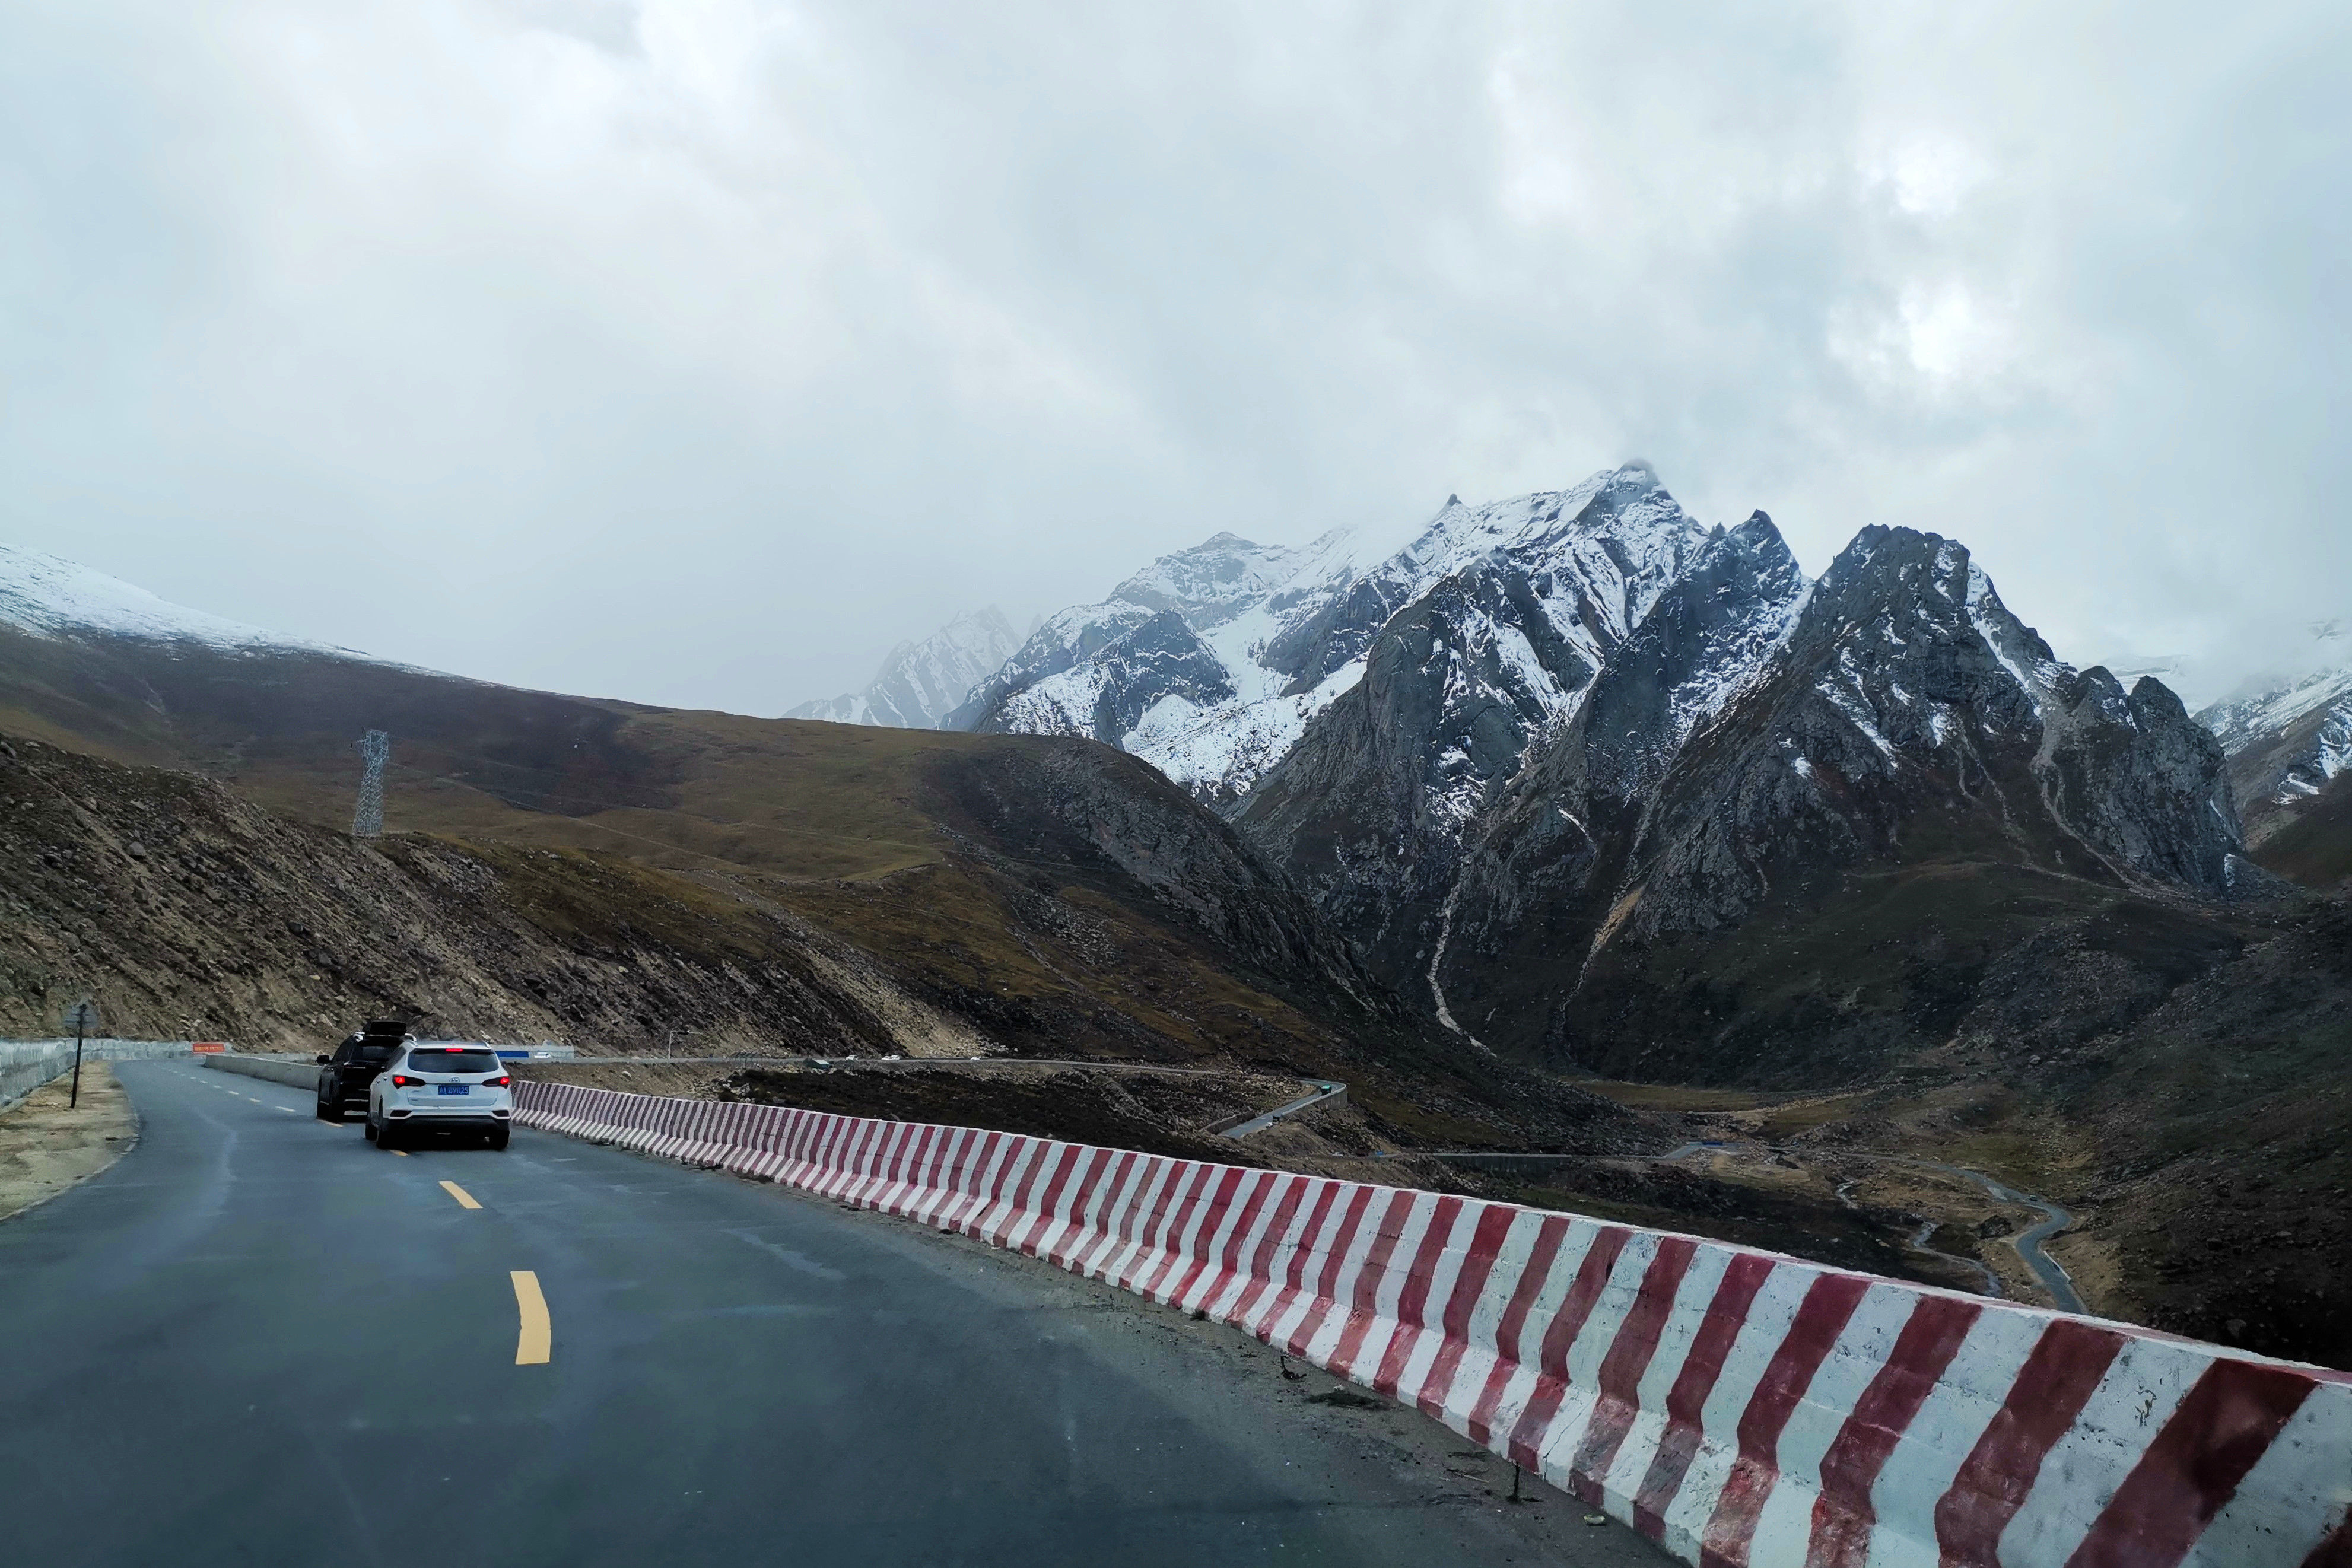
(533, 1346)
(465, 1199)
(402, 1153)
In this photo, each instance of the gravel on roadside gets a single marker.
(46, 1148)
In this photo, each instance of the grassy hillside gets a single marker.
(795, 797)
(997, 893)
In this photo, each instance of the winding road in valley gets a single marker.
(2028, 1242)
(2047, 1270)
(258, 1339)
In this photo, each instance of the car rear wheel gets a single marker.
(499, 1136)
(371, 1130)
(329, 1113)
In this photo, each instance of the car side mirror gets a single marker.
(322, 1059)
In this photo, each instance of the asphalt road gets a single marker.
(258, 1339)
(2046, 1269)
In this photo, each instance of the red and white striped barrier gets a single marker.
(1738, 1407)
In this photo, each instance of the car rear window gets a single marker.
(374, 1052)
(452, 1059)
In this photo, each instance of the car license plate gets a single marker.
(454, 1088)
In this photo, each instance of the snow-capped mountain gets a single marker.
(1211, 663)
(1175, 664)
(1756, 744)
(50, 596)
(1750, 731)
(920, 683)
(2290, 742)
(1584, 711)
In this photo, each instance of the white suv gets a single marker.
(442, 1089)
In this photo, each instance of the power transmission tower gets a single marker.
(375, 749)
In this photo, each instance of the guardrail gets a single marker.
(1739, 1408)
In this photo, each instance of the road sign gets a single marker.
(83, 1016)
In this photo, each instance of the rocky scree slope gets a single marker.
(1371, 811)
(2177, 1073)
(1792, 751)
(2218, 1106)
(921, 683)
(189, 912)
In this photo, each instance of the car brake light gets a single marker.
(402, 1081)
(500, 1081)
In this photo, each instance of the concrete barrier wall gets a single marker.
(22, 1076)
(26, 1064)
(299, 1074)
(1741, 1408)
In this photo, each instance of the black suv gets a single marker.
(344, 1077)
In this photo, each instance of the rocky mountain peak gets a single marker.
(1707, 633)
(1526, 600)
(1592, 558)
(2289, 741)
(2142, 782)
(1905, 644)
(1212, 582)
(1906, 638)
(921, 683)
(1158, 667)
(1892, 720)
(1548, 581)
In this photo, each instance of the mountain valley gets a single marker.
(1598, 788)
(1570, 826)
(646, 880)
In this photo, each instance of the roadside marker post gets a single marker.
(84, 1018)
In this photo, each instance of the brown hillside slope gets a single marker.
(188, 912)
(990, 893)
(928, 844)
(2314, 848)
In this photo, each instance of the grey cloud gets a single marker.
(699, 353)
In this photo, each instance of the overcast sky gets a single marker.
(698, 352)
